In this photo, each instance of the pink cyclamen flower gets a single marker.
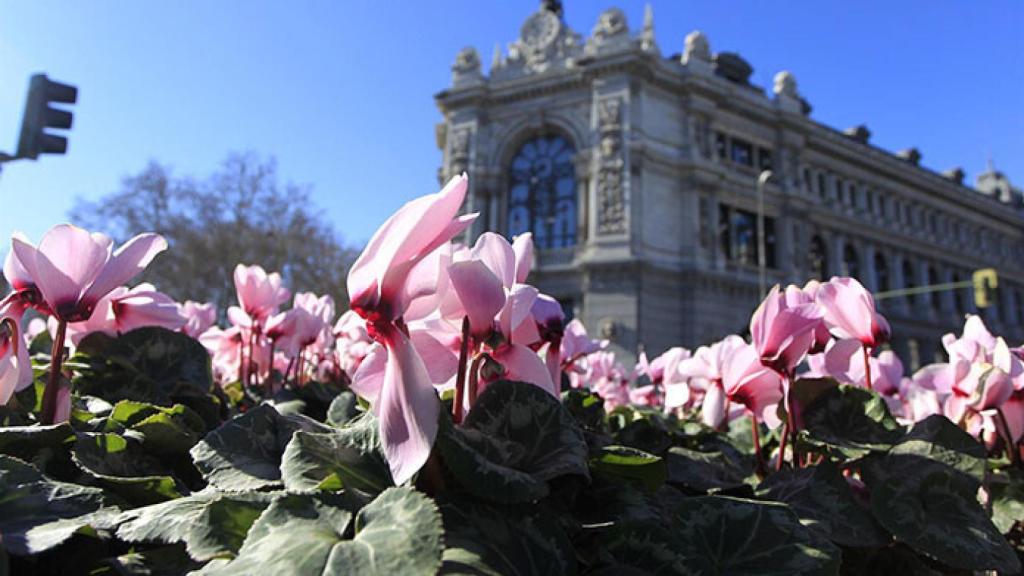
(15, 365)
(380, 291)
(809, 293)
(199, 317)
(783, 331)
(124, 310)
(850, 312)
(259, 294)
(73, 269)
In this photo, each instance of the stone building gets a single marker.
(637, 172)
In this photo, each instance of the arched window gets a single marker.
(851, 266)
(817, 259)
(934, 297)
(542, 192)
(881, 273)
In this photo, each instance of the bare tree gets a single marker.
(239, 214)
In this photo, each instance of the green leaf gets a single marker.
(515, 438)
(852, 419)
(148, 365)
(586, 407)
(167, 430)
(37, 513)
(822, 499)
(641, 548)
(1006, 492)
(631, 464)
(245, 452)
(484, 538)
(350, 458)
(398, 533)
(934, 509)
(122, 465)
(210, 524)
(27, 442)
(162, 561)
(938, 439)
(722, 535)
(644, 435)
(702, 472)
(343, 408)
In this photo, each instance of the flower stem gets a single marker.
(791, 419)
(755, 436)
(1011, 450)
(782, 445)
(867, 366)
(474, 376)
(53, 383)
(460, 377)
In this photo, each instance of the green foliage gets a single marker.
(398, 533)
(152, 365)
(154, 475)
(245, 453)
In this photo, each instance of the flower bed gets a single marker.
(452, 422)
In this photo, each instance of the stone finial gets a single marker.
(496, 56)
(467, 63)
(647, 42)
(787, 95)
(912, 155)
(860, 133)
(955, 174)
(697, 48)
(611, 22)
(785, 84)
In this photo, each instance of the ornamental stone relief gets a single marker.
(611, 200)
(460, 151)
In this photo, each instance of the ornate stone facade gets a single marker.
(661, 189)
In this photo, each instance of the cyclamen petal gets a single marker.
(408, 408)
(126, 263)
(480, 292)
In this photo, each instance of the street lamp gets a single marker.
(762, 271)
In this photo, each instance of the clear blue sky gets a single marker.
(341, 92)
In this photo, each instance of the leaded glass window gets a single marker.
(542, 192)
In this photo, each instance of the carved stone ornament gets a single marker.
(459, 152)
(697, 47)
(467, 61)
(785, 84)
(611, 22)
(611, 195)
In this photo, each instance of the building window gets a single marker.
(817, 259)
(821, 186)
(851, 266)
(908, 279)
(958, 294)
(764, 159)
(738, 236)
(881, 273)
(742, 152)
(721, 148)
(934, 297)
(807, 179)
(542, 193)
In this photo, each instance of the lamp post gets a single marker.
(762, 271)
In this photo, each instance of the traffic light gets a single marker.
(39, 116)
(985, 281)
